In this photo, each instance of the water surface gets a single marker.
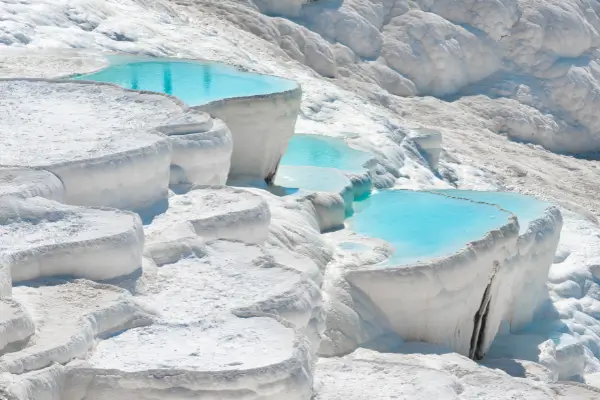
(421, 226)
(194, 83)
(526, 208)
(324, 151)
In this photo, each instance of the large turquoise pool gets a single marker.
(421, 226)
(194, 83)
(526, 208)
(324, 151)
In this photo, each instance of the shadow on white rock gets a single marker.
(223, 329)
(69, 316)
(41, 238)
(211, 212)
(368, 374)
(24, 183)
(202, 150)
(16, 325)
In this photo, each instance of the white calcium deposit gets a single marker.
(233, 291)
(261, 126)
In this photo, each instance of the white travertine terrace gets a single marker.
(493, 285)
(224, 300)
(332, 192)
(223, 316)
(201, 150)
(39, 238)
(539, 60)
(211, 212)
(100, 146)
(76, 131)
(261, 126)
(309, 179)
(24, 183)
(49, 63)
(65, 329)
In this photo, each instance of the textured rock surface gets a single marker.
(541, 90)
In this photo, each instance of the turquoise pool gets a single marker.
(301, 180)
(421, 226)
(526, 208)
(194, 83)
(323, 151)
(313, 179)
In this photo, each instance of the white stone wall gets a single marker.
(437, 302)
(261, 128)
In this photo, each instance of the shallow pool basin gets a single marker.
(303, 180)
(325, 152)
(193, 82)
(422, 226)
(526, 208)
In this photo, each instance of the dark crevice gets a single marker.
(476, 351)
(479, 352)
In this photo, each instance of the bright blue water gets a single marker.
(194, 83)
(421, 225)
(323, 151)
(313, 179)
(524, 207)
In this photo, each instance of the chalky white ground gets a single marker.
(217, 343)
(38, 222)
(41, 237)
(212, 212)
(68, 317)
(359, 101)
(50, 123)
(29, 183)
(196, 300)
(225, 277)
(429, 376)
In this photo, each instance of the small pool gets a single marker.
(421, 226)
(312, 179)
(324, 151)
(526, 208)
(194, 83)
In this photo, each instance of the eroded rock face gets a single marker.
(261, 128)
(455, 49)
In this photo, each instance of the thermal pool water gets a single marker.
(422, 225)
(195, 83)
